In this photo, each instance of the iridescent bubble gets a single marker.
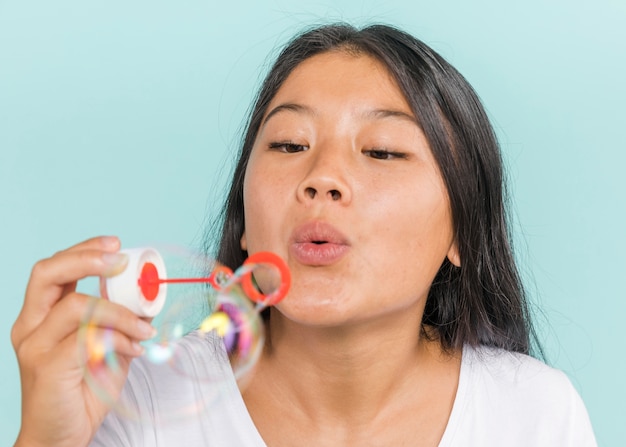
(208, 312)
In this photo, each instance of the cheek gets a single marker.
(417, 226)
(262, 200)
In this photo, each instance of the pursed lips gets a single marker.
(318, 243)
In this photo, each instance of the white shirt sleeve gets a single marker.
(509, 399)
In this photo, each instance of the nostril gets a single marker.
(333, 194)
(310, 192)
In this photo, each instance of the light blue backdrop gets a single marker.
(119, 117)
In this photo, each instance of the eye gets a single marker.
(383, 154)
(288, 147)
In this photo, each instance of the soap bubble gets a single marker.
(210, 318)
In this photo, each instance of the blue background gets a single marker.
(121, 117)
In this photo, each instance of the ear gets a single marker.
(453, 255)
(243, 242)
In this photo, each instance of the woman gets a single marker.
(369, 165)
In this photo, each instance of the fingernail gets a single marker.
(115, 263)
(146, 329)
(110, 242)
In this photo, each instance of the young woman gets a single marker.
(370, 167)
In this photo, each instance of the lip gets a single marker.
(318, 244)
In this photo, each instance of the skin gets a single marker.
(345, 363)
(44, 337)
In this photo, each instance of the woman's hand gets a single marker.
(58, 407)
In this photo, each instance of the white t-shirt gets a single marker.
(503, 399)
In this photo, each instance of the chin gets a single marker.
(314, 311)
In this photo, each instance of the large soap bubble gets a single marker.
(202, 310)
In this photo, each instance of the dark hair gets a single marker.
(482, 302)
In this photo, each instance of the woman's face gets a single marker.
(341, 184)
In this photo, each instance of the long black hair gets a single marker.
(482, 302)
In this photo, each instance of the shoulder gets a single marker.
(515, 372)
(507, 398)
(520, 381)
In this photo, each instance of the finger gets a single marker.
(50, 276)
(104, 358)
(102, 348)
(74, 264)
(86, 347)
(104, 243)
(78, 310)
(102, 364)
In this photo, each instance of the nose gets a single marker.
(325, 181)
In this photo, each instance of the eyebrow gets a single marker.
(385, 113)
(373, 114)
(299, 108)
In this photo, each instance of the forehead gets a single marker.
(338, 76)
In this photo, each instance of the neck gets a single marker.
(346, 385)
(350, 372)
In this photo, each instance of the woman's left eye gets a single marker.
(383, 154)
